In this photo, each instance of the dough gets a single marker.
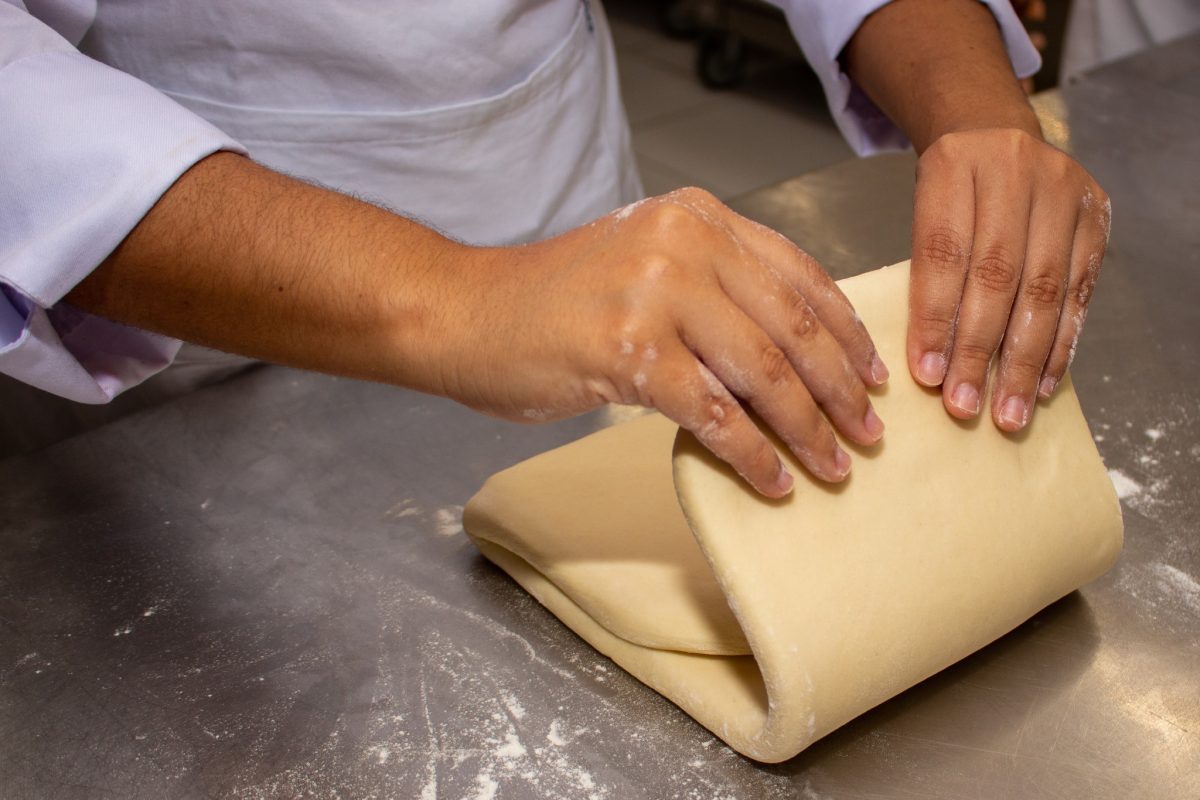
(772, 623)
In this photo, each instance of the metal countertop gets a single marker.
(262, 590)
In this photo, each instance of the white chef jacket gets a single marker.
(496, 122)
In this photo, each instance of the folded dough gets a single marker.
(772, 623)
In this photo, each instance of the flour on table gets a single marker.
(1176, 583)
(1146, 460)
(448, 520)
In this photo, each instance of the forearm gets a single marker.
(630, 308)
(937, 67)
(243, 259)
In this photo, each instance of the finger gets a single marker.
(757, 371)
(993, 274)
(943, 223)
(773, 305)
(1087, 254)
(1036, 311)
(690, 394)
(806, 275)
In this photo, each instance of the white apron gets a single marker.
(544, 156)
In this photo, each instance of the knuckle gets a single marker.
(1019, 362)
(720, 414)
(995, 270)
(669, 221)
(943, 150)
(717, 415)
(934, 321)
(718, 419)
(775, 365)
(651, 270)
(1018, 142)
(802, 318)
(1082, 288)
(695, 194)
(1060, 177)
(973, 352)
(1084, 282)
(944, 248)
(1044, 291)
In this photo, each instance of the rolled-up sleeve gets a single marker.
(87, 151)
(823, 28)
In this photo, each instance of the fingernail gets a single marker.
(879, 371)
(873, 424)
(842, 461)
(966, 399)
(1047, 386)
(1015, 413)
(784, 481)
(931, 369)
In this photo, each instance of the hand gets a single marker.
(676, 303)
(679, 304)
(1008, 237)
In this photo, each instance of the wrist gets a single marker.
(994, 114)
(426, 310)
(937, 67)
(1021, 119)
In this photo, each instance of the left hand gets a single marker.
(1008, 237)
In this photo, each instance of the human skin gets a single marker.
(676, 303)
(1008, 231)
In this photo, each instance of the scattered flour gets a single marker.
(470, 717)
(510, 752)
(487, 787)
(513, 705)
(1176, 583)
(405, 508)
(1148, 470)
(554, 736)
(809, 793)
(448, 520)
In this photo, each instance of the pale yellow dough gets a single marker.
(773, 623)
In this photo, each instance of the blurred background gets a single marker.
(719, 96)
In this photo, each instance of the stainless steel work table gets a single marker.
(263, 589)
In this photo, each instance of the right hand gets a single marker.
(679, 304)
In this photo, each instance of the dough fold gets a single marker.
(773, 623)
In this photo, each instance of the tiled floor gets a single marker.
(775, 126)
